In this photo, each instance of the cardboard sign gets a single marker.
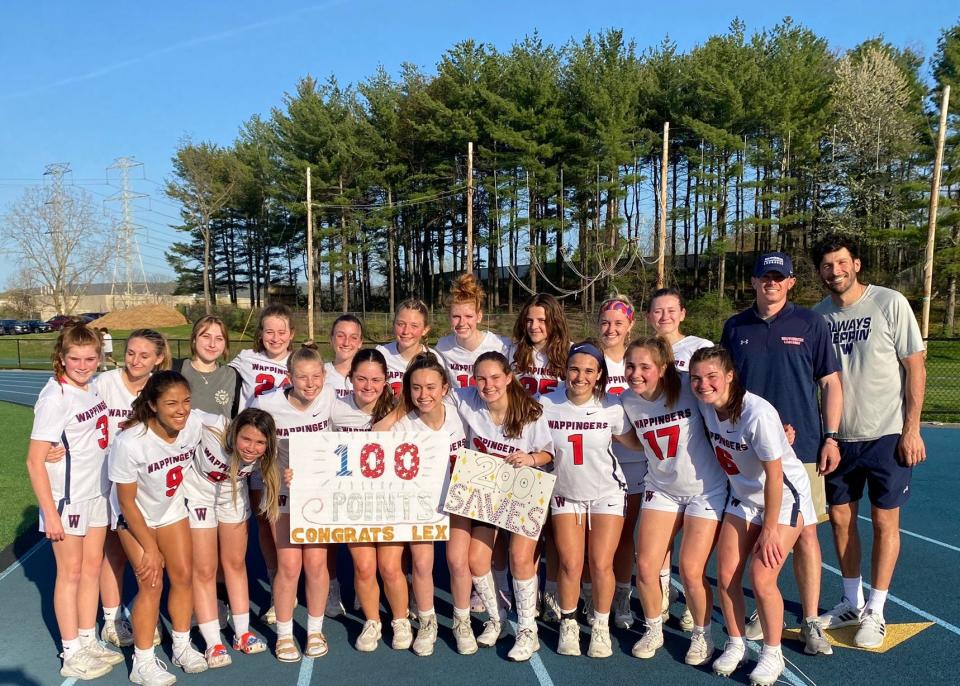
(368, 487)
(487, 489)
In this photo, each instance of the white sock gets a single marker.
(461, 614)
(702, 629)
(737, 641)
(770, 650)
(314, 624)
(87, 635)
(285, 629)
(426, 614)
(602, 618)
(181, 639)
(70, 648)
(141, 655)
(487, 590)
(550, 586)
(210, 632)
(525, 596)
(241, 623)
(654, 624)
(110, 613)
(877, 600)
(664, 579)
(853, 590)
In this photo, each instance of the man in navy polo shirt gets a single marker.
(784, 353)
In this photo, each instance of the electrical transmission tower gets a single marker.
(128, 257)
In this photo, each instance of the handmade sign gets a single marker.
(368, 487)
(487, 489)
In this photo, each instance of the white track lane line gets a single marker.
(306, 672)
(539, 669)
(19, 563)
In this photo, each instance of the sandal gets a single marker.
(316, 645)
(286, 650)
(249, 644)
(217, 656)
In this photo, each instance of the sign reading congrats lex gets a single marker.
(368, 487)
(487, 489)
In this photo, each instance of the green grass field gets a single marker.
(18, 507)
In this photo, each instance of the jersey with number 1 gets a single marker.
(583, 459)
(337, 381)
(259, 374)
(535, 381)
(397, 364)
(485, 436)
(142, 457)
(76, 419)
(459, 361)
(742, 448)
(680, 459)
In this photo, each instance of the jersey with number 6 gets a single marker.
(452, 425)
(484, 436)
(680, 459)
(583, 459)
(118, 398)
(157, 467)
(77, 420)
(535, 381)
(459, 361)
(258, 374)
(397, 364)
(742, 448)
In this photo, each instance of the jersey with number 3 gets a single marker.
(259, 374)
(77, 420)
(583, 459)
(742, 448)
(485, 436)
(459, 361)
(535, 381)
(157, 467)
(680, 459)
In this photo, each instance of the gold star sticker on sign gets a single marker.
(843, 637)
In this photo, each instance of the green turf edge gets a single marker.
(18, 506)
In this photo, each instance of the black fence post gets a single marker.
(19, 364)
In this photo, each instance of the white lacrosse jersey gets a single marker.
(684, 349)
(617, 384)
(337, 381)
(680, 457)
(76, 419)
(459, 361)
(741, 449)
(211, 460)
(452, 425)
(535, 381)
(346, 416)
(397, 364)
(484, 436)
(158, 468)
(582, 435)
(118, 398)
(259, 374)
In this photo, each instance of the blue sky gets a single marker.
(87, 82)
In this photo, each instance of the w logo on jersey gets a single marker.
(559, 500)
(648, 496)
(73, 521)
(201, 513)
(282, 500)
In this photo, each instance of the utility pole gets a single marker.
(662, 229)
(128, 248)
(57, 171)
(932, 221)
(310, 328)
(470, 208)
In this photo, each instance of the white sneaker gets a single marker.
(463, 633)
(117, 632)
(551, 608)
(334, 606)
(83, 665)
(731, 658)
(623, 617)
(525, 646)
(493, 631)
(151, 673)
(569, 637)
(769, 668)
(686, 620)
(369, 637)
(588, 609)
(426, 637)
(843, 614)
(402, 634)
(190, 660)
(100, 651)
(270, 616)
(701, 649)
(647, 646)
(814, 640)
(600, 641)
(872, 631)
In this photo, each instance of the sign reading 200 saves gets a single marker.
(368, 487)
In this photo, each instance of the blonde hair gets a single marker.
(307, 352)
(160, 343)
(262, 422)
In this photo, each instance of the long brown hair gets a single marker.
(159, 343)
(275, 310)
(420, 362)
(522, 409)
(201, 325)
(72, 336)
(387, 401)
(734, 406)
(558, 338)
(661, 352)
(262, 422)
(156, 386)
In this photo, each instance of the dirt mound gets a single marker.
(142, 316)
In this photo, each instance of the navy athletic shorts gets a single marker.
(874, 464)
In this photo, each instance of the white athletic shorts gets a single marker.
(211, 504)
(703, 505)
(635, 473)
(78, 517)
(615, 504)
(790, 510)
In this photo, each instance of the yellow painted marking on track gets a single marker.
(843, 637)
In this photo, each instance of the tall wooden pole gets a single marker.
(932, 221)
(469, 208)
(310, 327)
(662, 229)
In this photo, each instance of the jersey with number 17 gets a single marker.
(259, 374)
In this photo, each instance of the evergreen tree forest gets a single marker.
(775, 137)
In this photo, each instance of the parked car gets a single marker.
(57, 323)
(36, 326)
(91, 316)
(11, 326)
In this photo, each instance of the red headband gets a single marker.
(619, 305)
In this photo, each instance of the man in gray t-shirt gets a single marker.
(881, 354)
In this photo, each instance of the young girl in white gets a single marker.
(346, 338)
(589, 496)
(769, 504)
(665, 313)
(410, 328)
(71, 494)
(302, 408)
(219, 506)
(538, 352)
(500, 418)
(148, 462)
(684, 487)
